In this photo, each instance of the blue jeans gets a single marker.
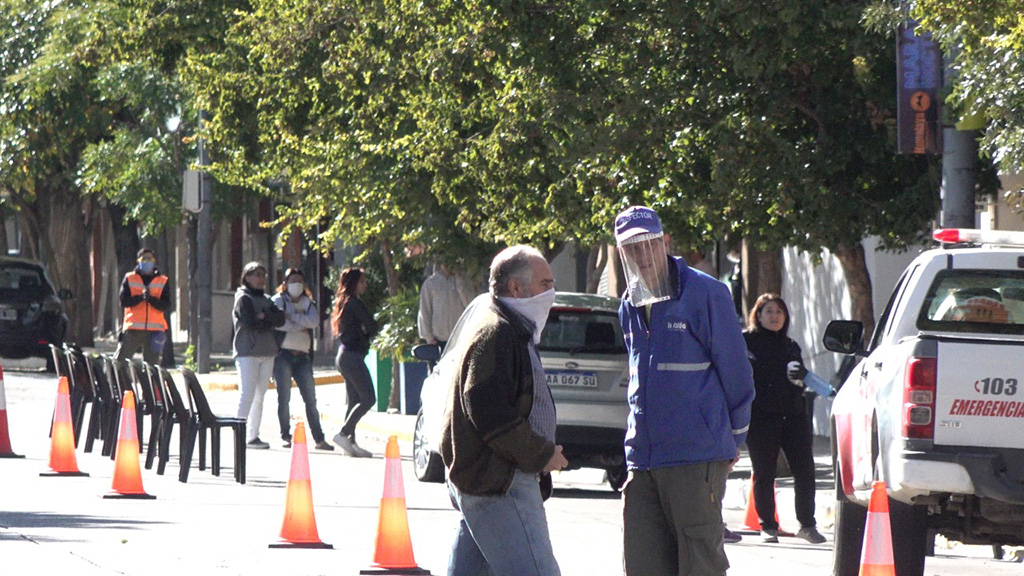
(289, 365)
(503, 535)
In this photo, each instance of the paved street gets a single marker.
(212, 525)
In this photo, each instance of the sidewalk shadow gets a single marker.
(43, 520)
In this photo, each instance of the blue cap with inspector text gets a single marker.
(634, 221)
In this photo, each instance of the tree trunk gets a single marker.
(4, 248)
(126, 238)
(858, 282)
(596, 262)
(762, 272)
(393, 289)
(616, 281)
(66, 232)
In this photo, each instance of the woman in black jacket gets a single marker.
(354, 327)
(778, 418)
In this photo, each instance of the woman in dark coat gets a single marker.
(778, 418)
(355, 328)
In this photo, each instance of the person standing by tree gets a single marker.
(690, 390)
(498, 435)
(255, 344)
(295, 358)
(145, 297)
(443, 297)
(355, 328)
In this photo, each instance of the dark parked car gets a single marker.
(31, 313)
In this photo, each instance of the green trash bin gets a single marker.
(380, 373)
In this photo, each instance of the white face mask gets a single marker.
(295, 289)
(535, 308)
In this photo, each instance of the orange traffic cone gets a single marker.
(393, 554)
(876, 555)
(62, 436)
(5, 438)
(752, 521)
(127, 474)
(299, 527)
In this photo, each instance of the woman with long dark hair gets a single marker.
(778, 417)
(355, 328)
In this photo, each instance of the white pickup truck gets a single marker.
(935, 405)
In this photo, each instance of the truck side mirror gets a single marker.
(844, 336)
(427, 352)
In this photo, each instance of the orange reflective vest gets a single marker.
(144, 316)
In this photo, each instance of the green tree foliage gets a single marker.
(986, 40)
(527, 121)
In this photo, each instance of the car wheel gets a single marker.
(616, 476)
(909, 537)
(426, 464)
(849, 526)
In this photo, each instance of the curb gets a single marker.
(228, 381)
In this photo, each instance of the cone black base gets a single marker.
(63, 473)
(396, 571)
(12, 455)
(301, 545)
(131, 496)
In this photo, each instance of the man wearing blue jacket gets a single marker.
(690, 391)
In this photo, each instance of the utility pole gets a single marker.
(959, 164)
(204, 258)
(959, 175)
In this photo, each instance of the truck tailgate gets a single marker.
(979, 395)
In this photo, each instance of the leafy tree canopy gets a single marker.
(987, 41)
(525, 121)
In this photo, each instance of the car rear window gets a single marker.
(975, 301)
(18, 278)
(582, 331)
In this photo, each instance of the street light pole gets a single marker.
(204, 258)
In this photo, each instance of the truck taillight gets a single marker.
(919, 398)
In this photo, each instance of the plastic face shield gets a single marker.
(645, 263)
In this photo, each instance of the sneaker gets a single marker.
(770, 536)
(324, 445)
(257, 444)
(730, 537)
(346, 443)
(286, 441)
(361, 452)
(811, 534)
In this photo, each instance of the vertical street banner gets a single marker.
(919, 82)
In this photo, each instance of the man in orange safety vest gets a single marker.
(145, 296)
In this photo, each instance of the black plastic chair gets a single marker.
(177, 412)
(106, 383)
(204, 419)
(111, 379)
(82, 377)
(60, 367)
(83, 392)
(152, 406)
(127, 382)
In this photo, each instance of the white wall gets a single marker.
(818, 294)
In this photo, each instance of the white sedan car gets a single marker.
(584, 358)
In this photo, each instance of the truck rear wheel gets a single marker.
(909, 537)
(849, 535)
